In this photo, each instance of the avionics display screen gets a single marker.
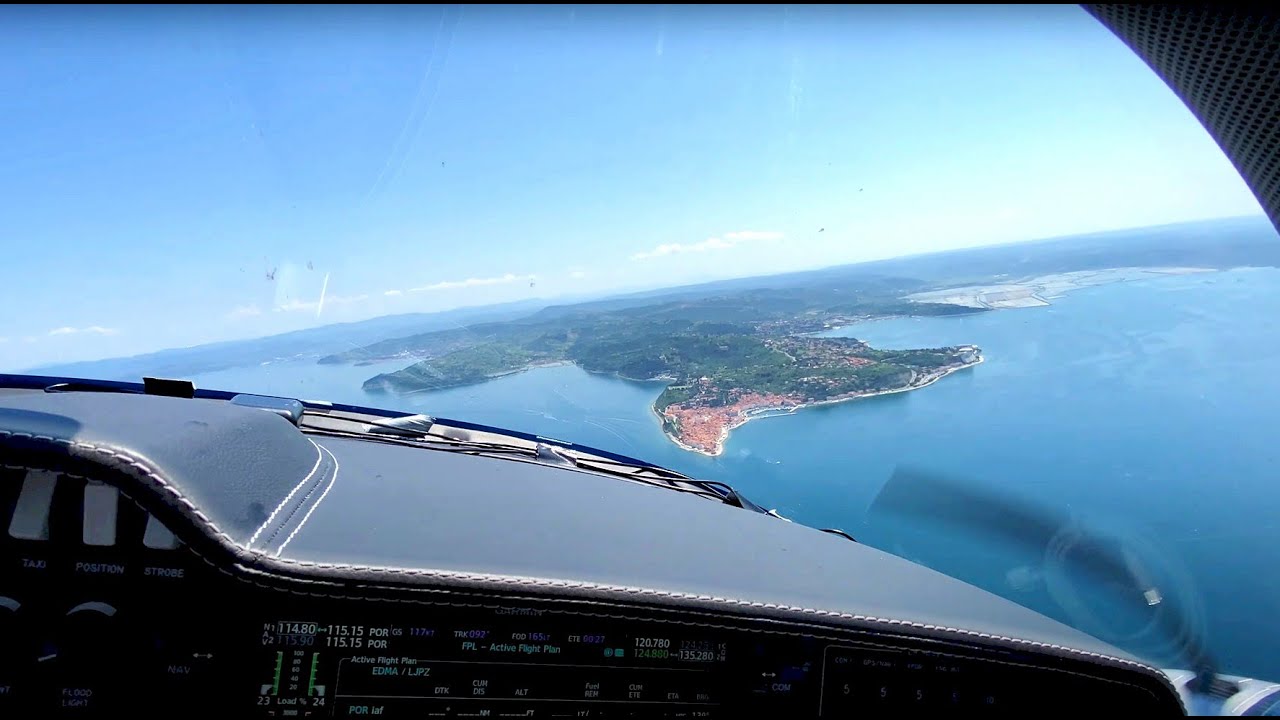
(510, 662)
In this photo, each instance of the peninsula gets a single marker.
(718, 379)
(725, 359)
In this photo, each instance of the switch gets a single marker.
(13, 654)
(157, 536)
(93, 606)
(101, 506)
(31, 513)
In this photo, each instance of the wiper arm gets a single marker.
(424, 431)
(404, 425)
(425, 443)
(645, 473)
(652, 474)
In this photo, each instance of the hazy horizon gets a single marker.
(570, 300)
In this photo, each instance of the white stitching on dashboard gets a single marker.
(127, 460)
(315, 505)
(319, 458)
(302, 502)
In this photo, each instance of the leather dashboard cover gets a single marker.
(249, 492)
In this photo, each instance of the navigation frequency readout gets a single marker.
(498, 666)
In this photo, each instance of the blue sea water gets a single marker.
(1147, 407)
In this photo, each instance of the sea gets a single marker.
(1143, 413)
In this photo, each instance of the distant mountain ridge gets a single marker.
(1215, 244)
(313, 342)
(1221, 243)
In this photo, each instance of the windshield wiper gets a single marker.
(425, 432)
(651, 475)
(426, 443)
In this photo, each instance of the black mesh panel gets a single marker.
(1224, 62)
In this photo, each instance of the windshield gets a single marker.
(840, 258)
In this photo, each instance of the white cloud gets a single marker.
(578, 274)
(294, 306)
(314, 305)
(742, 235)
(91, 330)
(244, 311)
(728, 240)
(469, 282)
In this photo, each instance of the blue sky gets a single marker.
(160, 163)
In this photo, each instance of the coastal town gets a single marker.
(702, 422)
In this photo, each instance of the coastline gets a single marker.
(682, 444)
(495, 376)
(764, 412)
(527, 368)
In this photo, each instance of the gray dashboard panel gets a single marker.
(404, 507)
(361, 514)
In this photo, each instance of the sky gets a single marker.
(183, 175)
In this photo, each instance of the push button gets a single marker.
(101, 508)
(30, 519)
(157, 536)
